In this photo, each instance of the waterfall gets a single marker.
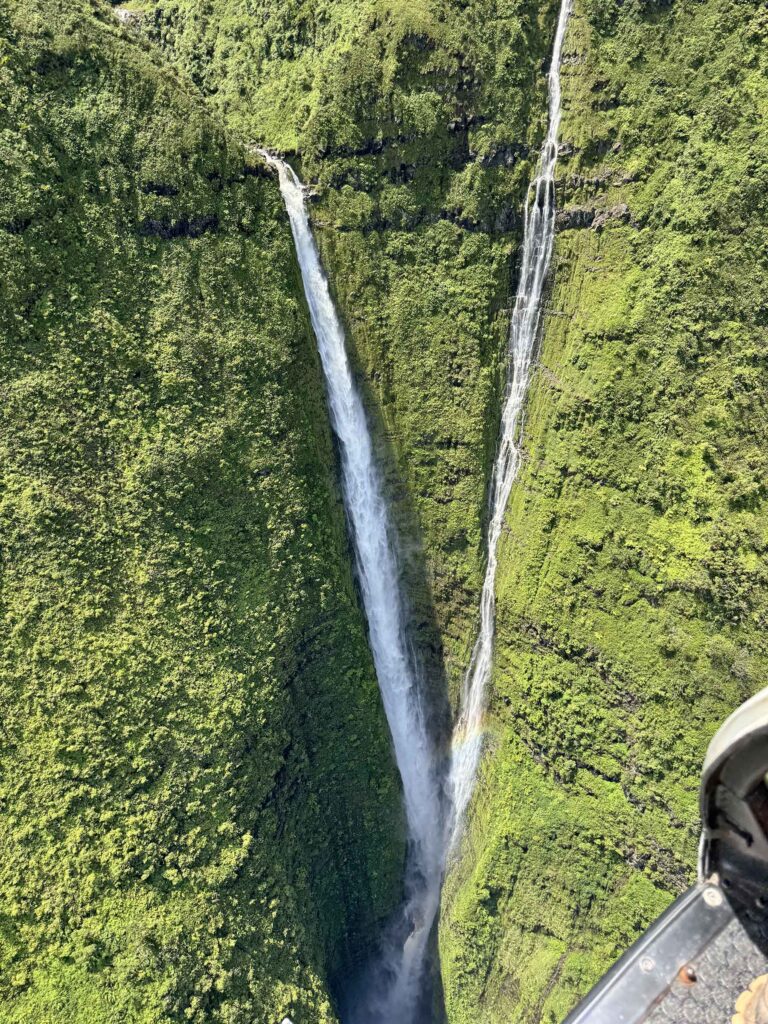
(538, 240)
(393, 990)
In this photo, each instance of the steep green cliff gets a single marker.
(200, 815)
(632, 573)
(632, 589)
(414, 122)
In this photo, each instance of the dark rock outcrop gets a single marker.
(504, 155)
(619, 212)
(193, 227)
(588, 217)
(576, 217)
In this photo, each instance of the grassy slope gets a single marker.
(632, 592)
(414, 121)
(198, 807)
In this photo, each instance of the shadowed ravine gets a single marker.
(394, 990)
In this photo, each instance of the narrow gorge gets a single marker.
(383, 522)
(394, 988)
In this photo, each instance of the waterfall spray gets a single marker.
(392, 993)
(393, 990)
(538, 240)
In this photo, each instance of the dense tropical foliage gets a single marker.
(200, 818)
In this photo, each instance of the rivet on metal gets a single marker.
(687, 975)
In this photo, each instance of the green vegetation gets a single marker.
(632, 596)
(200, 816)
(414, 122)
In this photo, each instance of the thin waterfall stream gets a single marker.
(538, 242)
(393, 992)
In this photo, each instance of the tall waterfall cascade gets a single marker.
(396, 984)
(394, 988)
(538, 241)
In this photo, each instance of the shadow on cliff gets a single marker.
(422, 627)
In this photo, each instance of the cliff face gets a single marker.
(200, 817)
(190, 714)
(414, 122)
(632, 593)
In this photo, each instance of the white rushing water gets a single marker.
(538, 240)
(391, 994)
(393, 991)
